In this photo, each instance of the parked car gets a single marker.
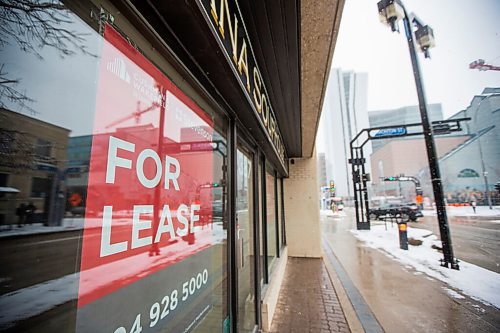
(411, 210)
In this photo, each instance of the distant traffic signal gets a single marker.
(332, 186)
(391, 179)
(497, 187)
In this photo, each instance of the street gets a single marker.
(32, 259)
(31, 264)
(401, 298)
(474, 239)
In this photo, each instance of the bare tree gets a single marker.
(33, 25)
(9, 91)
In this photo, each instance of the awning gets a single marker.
(8, 190)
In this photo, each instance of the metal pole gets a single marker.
(360, 190)
(365, 192)
(232, 225)
(449, 258)
(485, 174)
(354, 187)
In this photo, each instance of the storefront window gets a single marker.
(262, 261)
(278, 213)
(271, 219)
(115, 187)
(244, 244)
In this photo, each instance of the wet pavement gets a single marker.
(475, 239)
(402, 299)
(307, 300)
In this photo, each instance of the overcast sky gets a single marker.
(465, 30)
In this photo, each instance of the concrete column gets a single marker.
(303, 233)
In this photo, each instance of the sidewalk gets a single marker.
(401, 298)
(308, 301)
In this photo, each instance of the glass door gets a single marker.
(245, 243)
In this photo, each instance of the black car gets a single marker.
(410, 210)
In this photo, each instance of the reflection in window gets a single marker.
(70, 103)
(47, 95)
(245, 255)
(271, 219)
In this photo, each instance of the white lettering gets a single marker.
(148, 153)
(115, 161)
(183, 209)
(138, 225)
(162, 227)
(172, 175)
(107, 248)
(194, 218)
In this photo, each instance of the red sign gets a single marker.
(144, 211)
(75, 199)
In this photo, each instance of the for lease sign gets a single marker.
(145, 209)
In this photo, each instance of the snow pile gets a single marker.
(479, 283)
(466, 211)
(329, 212)
(33, 300)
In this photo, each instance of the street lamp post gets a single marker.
(483, 167)
(391, 11)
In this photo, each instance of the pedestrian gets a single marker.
(30, 213)
(333, 206)
(21, 214)
(473, 204)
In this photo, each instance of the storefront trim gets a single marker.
(236, 47)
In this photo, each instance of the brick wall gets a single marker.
(303, 231)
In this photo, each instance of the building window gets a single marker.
(271, 221)
(43, 149)
(131, 157)
(40, 187)
(3, 179)
(279, 220)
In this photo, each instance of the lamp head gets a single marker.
(425, 39)
(390, 12)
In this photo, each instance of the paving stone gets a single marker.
(307, 300)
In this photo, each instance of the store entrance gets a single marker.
(245, 258)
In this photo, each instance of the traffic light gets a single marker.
(497, 187)
(332, 186)
(391, 179)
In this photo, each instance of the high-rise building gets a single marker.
(401, 116)
(322, 182)
(343, 116)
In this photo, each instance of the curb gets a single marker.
(349, 312)
(358, 314)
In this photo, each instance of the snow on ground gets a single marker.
(453, 293)
(30, 301)
(466, 211)
(329, 212)
(68, 224)
(479, 283)
(36, 299)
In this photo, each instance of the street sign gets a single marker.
(396, 131)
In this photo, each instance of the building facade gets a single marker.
(409, 158)
(471, 170)
(401, 116)
(343, 116)
(468, 159)
(190, 173)
(32, 164)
